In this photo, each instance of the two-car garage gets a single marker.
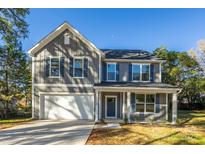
(67, 106)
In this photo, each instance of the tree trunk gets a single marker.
(7, 94)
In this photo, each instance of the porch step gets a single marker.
(113, 121)
(108, 126)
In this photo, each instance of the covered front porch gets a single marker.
(136, 104)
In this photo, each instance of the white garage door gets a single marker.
(69, 107)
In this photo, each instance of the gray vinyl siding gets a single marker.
(119, 103)
(124, 72)
(57, 48)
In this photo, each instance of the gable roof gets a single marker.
(56, 32)
(129, 54)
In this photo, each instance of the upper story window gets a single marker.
(111, 71)
(136, 72)
(145, 72)
(140, 72)
(78, 67)
(55, 67)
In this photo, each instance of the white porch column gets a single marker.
(100, 105)
(128, 106)
(174, 108)
(166, 106)
(123, 106)
(96, 106)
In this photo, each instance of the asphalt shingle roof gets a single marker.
(128, 54)
(135, 84)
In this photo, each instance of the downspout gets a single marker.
(180, 90)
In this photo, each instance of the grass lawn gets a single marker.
(190, 130)
(13, 122)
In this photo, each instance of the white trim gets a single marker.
(33, 71)
(115, 72)
(134, 60)
(63, 85)
(128, 110)
(52, 57)
(110, 96)
(141, 64)
(174, 108)
(120, 104)
(123, 106)
(57, 32)
(169, 90)
(100, 105)
(82, 58)
(64, 93)
(96, 106)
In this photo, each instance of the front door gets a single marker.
(111, 107)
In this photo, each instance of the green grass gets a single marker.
(196, 118)
(190, 130)
(13, 122)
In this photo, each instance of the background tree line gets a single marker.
(184, 69)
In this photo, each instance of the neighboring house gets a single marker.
(72, 79)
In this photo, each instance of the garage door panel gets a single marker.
(69, 107)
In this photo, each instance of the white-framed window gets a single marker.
(54, 67)
(145, 103)
(111, 71)
(145, 76)
(136, 72)
(141, 72)
(78, 65)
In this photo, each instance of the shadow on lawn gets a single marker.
(196, 118)
(161, 138)
(114, 132)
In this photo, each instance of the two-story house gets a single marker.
(73, 79)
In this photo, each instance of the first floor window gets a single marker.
(111, 71)
(150, 99)
(55, 67)
(140, 100)
(145, 102)
(78, 67)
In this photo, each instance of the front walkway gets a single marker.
(44, 132)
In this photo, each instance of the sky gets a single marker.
(147, 29)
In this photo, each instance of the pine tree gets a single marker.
(14, 69)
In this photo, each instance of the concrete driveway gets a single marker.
(42, 132)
